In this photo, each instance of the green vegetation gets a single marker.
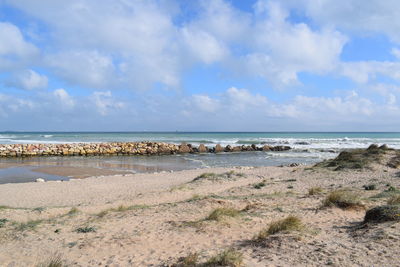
(383, 214)
(54, 261)
(86, 229)
(216, 177)
(219, 213)
(259, 185)
(29, 225)
(355, 159)
(229, 257)
(315, 191)
(289, 224)
(343, 199)
(369, 187)
(3, 222)
(390, 192)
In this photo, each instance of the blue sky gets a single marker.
(206, 65)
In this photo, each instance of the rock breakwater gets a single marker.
(125, 148)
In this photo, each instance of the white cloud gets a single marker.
(86, 68)
(365, 71)
(358, 16)
(203, 46)
(282, 49)
(396, 52)
(104, 102)
(205, 103)
(65, 100)
(14, 50)
(28, 80)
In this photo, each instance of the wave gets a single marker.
(47, 135)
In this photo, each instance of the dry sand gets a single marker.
(161, 218)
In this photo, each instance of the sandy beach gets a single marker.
(156, 219)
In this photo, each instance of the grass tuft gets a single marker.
(54, 261)
(29, 225)
(315, 191)
(86, 229)
(394, 200)
(218, 176)
(73, 211)
(219, 213)
(289, 224)
(229, 257)
(369, 187)
(190, 260)
(343, 199)
(3, 222)
(259, 185)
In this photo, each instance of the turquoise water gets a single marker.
(307, 148)
(316, 140)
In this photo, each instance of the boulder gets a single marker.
(184, 148)
(281, 148)
(266, 148)
(202, 149)
(218, 148)
(236, 149)
(228, 148)
(40, 180)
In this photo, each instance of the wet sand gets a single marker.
(77, 172)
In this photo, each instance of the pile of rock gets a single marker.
(121, 148)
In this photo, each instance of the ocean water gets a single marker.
(307, 148)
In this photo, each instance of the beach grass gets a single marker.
(288, 224)
(86, 229)
(211, 176)
(29, 225)
(315, 191)
(394, 200)
(343, 199)
(219, 214)
(55, 261)
(229, 257)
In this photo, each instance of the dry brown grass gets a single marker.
(394, 200)
(229, 257)
(220, 213)
(289, 224)
(343, 199)
(315, 191)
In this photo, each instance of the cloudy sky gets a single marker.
(206, 65)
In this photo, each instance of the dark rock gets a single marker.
(373, 147)
(281, 148)
(302, 143)
(384, 213)
(228, 148)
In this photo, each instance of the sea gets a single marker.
(307, 148)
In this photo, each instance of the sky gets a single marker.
(201, 65)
